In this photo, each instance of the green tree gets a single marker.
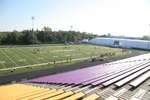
(29, 37)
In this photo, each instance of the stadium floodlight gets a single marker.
(32, 18)
(71, 28)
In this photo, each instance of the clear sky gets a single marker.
(118, 17)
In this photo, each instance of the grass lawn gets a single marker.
(15, 56)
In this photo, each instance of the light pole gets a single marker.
(32, 18)
(71, 28)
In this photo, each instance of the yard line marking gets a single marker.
(4, 58)
(20, 57)
(22, 53)
(46, 57)
(8, 57)
(62, 50)
(33, 54)
(17, 57)
(2, 64)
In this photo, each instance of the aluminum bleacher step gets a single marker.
(125, 80)
(140, 79)
(124, 75)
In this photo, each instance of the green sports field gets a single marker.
(17, 56)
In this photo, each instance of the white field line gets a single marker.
(3, 59)
(35, 56)
(20, 57)
(16, 56)
(62, 50)
(23, 53)
(45, 58)
(8, 57)
(2, 64)
(44, 64)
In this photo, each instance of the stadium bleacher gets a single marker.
(126, 79)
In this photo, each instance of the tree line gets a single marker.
(46, 35)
